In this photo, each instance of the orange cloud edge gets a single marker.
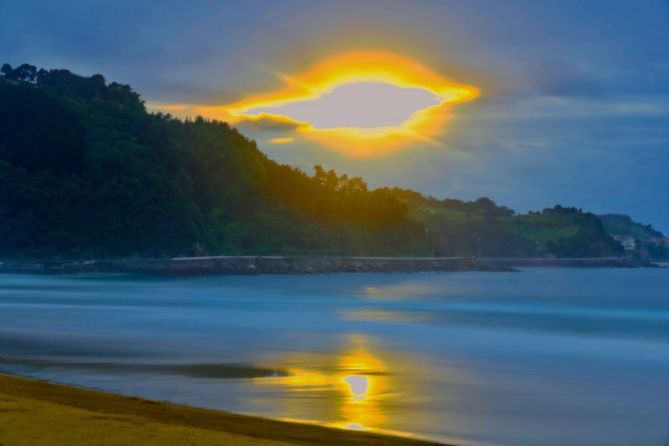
(349, 68)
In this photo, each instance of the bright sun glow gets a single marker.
(362, 104)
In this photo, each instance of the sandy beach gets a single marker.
(39, 413)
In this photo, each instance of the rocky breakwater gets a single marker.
(239, 265)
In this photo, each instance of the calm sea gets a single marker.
(537, 357)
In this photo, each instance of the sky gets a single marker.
(573, 105)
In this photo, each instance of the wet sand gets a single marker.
(39, 413)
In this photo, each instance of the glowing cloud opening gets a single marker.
(424, 119)
(357, 68)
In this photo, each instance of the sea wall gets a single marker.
(613, 262)
(238, 265)
(183, 266)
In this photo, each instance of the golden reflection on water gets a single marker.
(355, 384)
(385, 316)
(364, 381)
(399, 291)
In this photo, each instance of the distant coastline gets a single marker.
(250, 265)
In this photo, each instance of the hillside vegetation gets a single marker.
(624, 225)
(86, 172)
(483, 228)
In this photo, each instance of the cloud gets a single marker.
(270, 132)
(282, 140)
(266, 124)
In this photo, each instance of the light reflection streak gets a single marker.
(356, 380)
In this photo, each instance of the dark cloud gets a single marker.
(266, 125)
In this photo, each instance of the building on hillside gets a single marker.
(627, 241)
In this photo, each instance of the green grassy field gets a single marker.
(542, 228)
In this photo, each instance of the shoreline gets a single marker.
(253, 265)
(37, 412)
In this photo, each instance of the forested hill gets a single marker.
(85, 171)
(623, 224)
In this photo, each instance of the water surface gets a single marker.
(541, 357)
